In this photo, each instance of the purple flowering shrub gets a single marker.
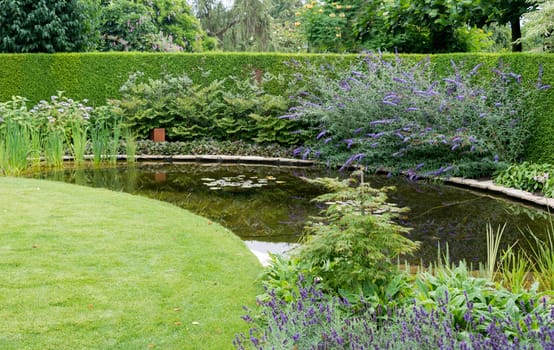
(315, 320)
(397, 115)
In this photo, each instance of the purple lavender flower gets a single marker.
(343, 84)
(382, 121)
(349, 142)
(321, 134)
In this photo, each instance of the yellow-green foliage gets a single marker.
(98, 76)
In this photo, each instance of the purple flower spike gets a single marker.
(390, 103)
(320, 135)
(400, 80)
(349, 143)
(344, 85)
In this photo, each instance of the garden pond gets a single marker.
(267, 206)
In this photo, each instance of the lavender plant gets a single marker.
(396, 115)
(315, 320)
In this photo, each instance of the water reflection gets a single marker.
(271, 216)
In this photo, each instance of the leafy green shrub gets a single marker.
(397, 115)
(528, 177)
(207, 146)
(352, 249)
(189, 110)
(474, 302)
(317, 320)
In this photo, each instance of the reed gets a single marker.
(114, 143)
(100, 138)
(35, 152)
(542, 252)
(130, 145)
(78, 141)
(515, 268)
(15, 148)
(493, 245)
(54, 148)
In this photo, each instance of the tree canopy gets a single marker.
(42, 26)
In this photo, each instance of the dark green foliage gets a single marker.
(528, 177)
(204, 146)
(41, 26)
(353, 247)
(189, 110)
(158, 25)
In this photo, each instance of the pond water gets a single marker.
(268, 206)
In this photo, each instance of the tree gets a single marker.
(42, 26)
(146, 25)
(511, 11)
(328, 26)
(421, 26)
(539, 27)
(245, 26)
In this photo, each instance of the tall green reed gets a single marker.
(54, 149)
(114, 142)
(515, 268)
(16, 144)
(130, 145)
(542, 252)
(35, 153)
(78, 141)
(100, 139)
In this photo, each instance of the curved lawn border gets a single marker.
(91, 268)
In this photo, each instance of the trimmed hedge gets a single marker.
(98, 76)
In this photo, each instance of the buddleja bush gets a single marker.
(190, 110)
(396, 115)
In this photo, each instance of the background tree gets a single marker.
(42, 26)
(437, 25)
(328, 26)
(151, 25)
(243, 26)
(539, 27)
(510, 11)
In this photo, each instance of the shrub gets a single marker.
(528, 177)
(315, 320)
(190, 110)
(396, 115)
(352, 249)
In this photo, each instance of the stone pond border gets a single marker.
(488, 185)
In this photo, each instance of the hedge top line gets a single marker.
(98, 76)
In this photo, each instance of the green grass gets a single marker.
(84, 268)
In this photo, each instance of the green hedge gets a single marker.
(98, 76)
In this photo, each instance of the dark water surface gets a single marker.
(268, 206)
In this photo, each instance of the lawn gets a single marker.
(84, 268)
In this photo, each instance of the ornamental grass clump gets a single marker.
(388, 113)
